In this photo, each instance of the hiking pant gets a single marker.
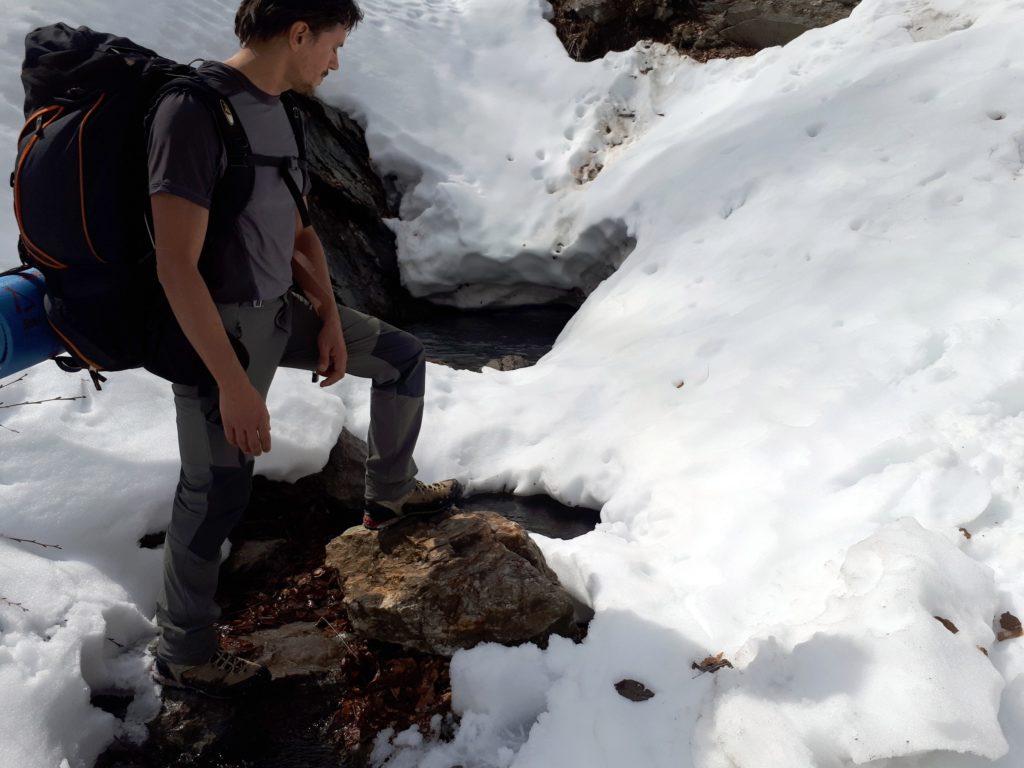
(216, 477)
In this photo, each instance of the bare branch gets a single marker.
(40, 402)
(10, 383)
(30, 541)
(12, 603)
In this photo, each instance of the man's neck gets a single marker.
(262, 70)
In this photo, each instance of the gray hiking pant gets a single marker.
(216, 478)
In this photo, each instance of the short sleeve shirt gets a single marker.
(186, 158)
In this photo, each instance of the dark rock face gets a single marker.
(348, 204)
(448, 582)
(703, 29)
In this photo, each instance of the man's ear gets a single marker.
(299, 33)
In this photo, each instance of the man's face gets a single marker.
(315, 55)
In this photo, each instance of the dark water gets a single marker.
(538, 514)
(468, 339)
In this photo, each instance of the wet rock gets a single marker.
(348, 205)
(298, 649)
(508, 363)
(764, 23)
(251, 557)
(190, 724)
(448, 582)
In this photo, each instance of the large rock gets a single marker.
(703, 29)
(440, 584)
(765, 23)
(348, 204)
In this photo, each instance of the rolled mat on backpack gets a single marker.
(26, 338)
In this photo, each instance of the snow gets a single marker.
(803, 378)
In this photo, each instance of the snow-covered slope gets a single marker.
(807, 376)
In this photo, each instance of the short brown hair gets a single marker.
(258, 20)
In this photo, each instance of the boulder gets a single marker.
(348, 205)
(448, 582)
(765, 23)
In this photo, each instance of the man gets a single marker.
(237, 294)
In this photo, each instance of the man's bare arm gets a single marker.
(180, 229)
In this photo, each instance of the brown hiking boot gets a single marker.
(224, 676)
(421, 500)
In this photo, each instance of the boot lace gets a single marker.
(228, 662)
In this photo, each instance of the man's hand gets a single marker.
(246, 418)
(333, 352)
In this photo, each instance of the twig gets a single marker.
(30, 541)
(11, 602)
(10, 383)
(40, 402)
(115, 642)
(10, 430)
(339, 635)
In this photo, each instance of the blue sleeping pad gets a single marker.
(26, 338)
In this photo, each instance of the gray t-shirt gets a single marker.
(186, 157)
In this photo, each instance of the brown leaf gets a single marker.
(966, 533)
(947, 624)
(1009, 627)
(633, 690)
(983, 650)
(712, 663)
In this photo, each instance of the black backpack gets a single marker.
(81, 196)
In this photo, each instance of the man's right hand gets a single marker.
(245, 417)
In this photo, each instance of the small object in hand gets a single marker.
(316, 377)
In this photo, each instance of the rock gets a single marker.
(348, 205)
(251, 557)
(508, 363)
(765, 23)
(443, 583)
(599, 11)
(633, 690)
(190, 724)
(298, 650)
(344, 475)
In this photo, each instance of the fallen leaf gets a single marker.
(712, 663)
(966, 533)
(947, 624)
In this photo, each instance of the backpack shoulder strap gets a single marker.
(288, 164)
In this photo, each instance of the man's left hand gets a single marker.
(333, 352)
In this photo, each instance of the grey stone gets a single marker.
(508, 363)
(448, 582)
(299, 649)
(344, 475)
(251, 557)
(766, 23)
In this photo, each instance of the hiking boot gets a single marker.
(225, 675)
(421, 500)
